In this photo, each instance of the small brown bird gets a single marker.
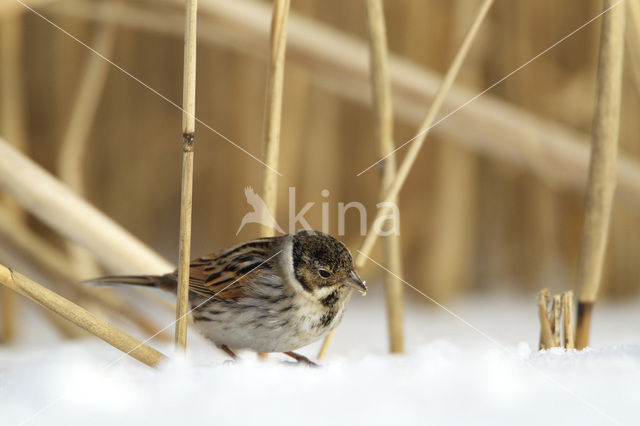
(267, 295)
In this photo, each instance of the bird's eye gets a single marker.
(324, 273)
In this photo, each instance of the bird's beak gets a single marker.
(354, 281)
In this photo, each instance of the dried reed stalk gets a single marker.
(188, 129)
(12, 127)
(46, 198)
(9, 316)
(66, 329)
(74, 143)
(339, 63)
(381, 87)
(12, 93)
(602, 178)
(567, 310)
(80, 317)
(556, 320)
(633, 38)
(273, 113)
(546, 335)
(424, 129)
(70, 166)
(51, 259)
(452, 236)
(273, 109)
(91, 87)
(412, 154)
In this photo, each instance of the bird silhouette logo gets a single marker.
(260, 214)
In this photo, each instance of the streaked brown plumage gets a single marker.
(268, 295)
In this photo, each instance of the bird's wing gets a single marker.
(226, 275)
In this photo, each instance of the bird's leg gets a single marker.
(229, 352)
(302, 359)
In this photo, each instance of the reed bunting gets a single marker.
(268, 295)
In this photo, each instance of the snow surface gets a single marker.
(452, 374)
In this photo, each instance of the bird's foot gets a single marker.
(234, 358)
(302, 359)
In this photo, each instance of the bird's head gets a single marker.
(321, 263)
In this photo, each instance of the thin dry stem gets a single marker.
(567, 311)
(633, 39)
(188, 129)
(452, 236)
(74, 144)
(9, 321)
(273, 109)
(79, 316)
(12, 127)
(12, 94)
(273, 113)
(339, 63)
(602, 177)
(546, 335)
(381, 83)
(414, 149)
(91, 87)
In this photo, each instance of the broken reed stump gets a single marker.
(567, 303)
(556, 320)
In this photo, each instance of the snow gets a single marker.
(451, 374)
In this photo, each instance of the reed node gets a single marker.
(188, 139)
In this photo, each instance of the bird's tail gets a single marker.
(165, 282)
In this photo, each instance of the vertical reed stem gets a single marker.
(12, 89)
(273, 108)
(273, 111)
(452, 236)
(381, 87)
(188, 137)
(601, 181)
(416, 144)
(12, 127)
(74, 143)
(633, 38)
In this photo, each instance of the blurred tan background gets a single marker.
(471, 219)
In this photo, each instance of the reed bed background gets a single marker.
(495, 200)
